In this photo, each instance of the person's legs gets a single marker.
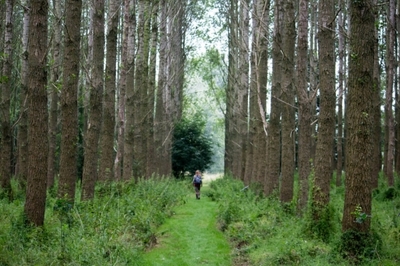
(197, 190)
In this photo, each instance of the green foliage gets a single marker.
(264, 233)
(113, 229)
(358, 246)
(191, 148)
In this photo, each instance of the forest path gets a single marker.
(191, 237)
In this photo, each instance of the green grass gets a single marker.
(191, 237)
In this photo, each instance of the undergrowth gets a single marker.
(264, 231)
(113, 229)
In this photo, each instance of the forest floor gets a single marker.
(191, 236)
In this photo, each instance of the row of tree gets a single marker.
(329, 62)
(89, 91)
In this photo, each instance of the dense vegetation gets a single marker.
(264, 232)
(113, 229)
(122, 222)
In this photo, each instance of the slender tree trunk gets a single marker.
(92, 136)
(55, 83)
(305, 115)
(140, 90)
(37, 114)
(389, 93)
(162, 125)
(326, 120)
(151, 157)
(6, 87)
(288, 109)
(231, 145)
(107, 130)
(123, 160)
(359, 119)
(69, 101)
(342, 51)
(274, 138)
(22, 137)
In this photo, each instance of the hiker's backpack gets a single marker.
(197, 180)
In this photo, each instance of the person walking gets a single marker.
(197, 183)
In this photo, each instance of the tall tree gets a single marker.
(22, 137)
(231, 147)
(341, 76)
(304, 97)
(327, 100)
(359, 118)
(92, 135)
(54, 88)
(288, 109)
(107, 129)
(6, 87)
(390, 59)
(141, 100)
(152, 90)
(162, 134)
(126, 96)
(69, 100)
(274, 138)
(37, 113)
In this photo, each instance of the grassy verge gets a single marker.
(191, 236)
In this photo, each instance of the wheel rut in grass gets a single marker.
(191, 237)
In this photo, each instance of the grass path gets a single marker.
(191, 237)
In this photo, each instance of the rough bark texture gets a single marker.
(37, 114)
(304, 97)
(107, 129)
(6, 88)
(69, 101)
(389, 162)
(327, 101)
(288, 108)
(359, 144)
(140, 90)
(92, 136)
(274, 139)
(22, 137)
(127, 87)
(54, 88)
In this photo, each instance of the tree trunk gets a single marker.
(359, 144)
(140, 90)
(92, 136)
(55, 83)
(389, 93)
(107, 130)
(69, 101)
(22, 137)
(288, 109)
(151, 162)
(37, 114)
(6, 84)
(341, 76)
(326, 119)
(304, 98)
(274, 138)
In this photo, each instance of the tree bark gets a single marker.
(288, 108)
(304, 97)
(69, 101)
(37, 114)
(107, 130)
(359, 144)
(6, 87)
(92, 136)
(274, 138)
(326, 119)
